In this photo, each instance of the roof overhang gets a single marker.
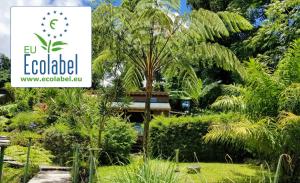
(140, 106)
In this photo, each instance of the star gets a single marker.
(54, 37)
(48, 35)
(65, 30)
(42, 24)
(61, 13)
(67, 24)
(54, 12)
(44, 18)
(65, 18)
(44, 30)
(48, 13)
(60, 35)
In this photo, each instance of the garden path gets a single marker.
(50, 174)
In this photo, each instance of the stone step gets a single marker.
(53, 168)
(52, 177)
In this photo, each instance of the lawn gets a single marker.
(210, 172)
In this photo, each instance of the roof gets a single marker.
(141, 106)
(143, 93)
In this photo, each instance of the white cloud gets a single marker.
(5, 16)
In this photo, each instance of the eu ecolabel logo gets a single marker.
(51, 46)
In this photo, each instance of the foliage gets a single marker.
(271, 41)
(4, 70)
(60, 139)
(12, 175)
(28, 121)
(289, 67)
(38, 155)
(290, 99)
(118, 139)
(147, 38)
(185, 134)
(22, 138)
(148, 172)
(263, 91)
(8, 110)
(3, 122)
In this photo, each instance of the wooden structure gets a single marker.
(159, 104)
(4, 142)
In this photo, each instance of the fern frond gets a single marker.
(229, 103)
(289, 67)
(222, 57)
(133, 78)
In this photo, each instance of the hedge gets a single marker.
(185, 134)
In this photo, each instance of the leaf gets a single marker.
(58, 43)
(44, 48)
(42, 40)
(56, 49)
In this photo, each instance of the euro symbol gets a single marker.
(52, 23)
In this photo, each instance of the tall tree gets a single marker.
(4, 70)
(151, 37)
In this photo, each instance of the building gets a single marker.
(136, 108)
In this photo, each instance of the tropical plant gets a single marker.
(148, 172)
(278, 30)
(148, 37)
(269, 131)
(118, 139)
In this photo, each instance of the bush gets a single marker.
(290, 99)
(60, 139)
(118, 139)
(3, 122)
(12, 175)
(185, 134)
(8, 110)
(38, 155)
(28, 121)
(22, 138)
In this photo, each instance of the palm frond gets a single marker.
(229, 103)
(222, 57)
(288, 69)
(133, 78)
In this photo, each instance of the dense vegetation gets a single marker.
(238, 61)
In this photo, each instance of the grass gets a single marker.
(210, 172)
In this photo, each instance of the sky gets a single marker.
(5, 14)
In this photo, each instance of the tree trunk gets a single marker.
(147, 117)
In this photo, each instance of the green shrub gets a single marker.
(28, 121)
(60, 139)
(3, 122)
(38, 155)
(290, 99)
(185, 134)
(118, 139)
(22, 138)
(12, 175)
(8, 110)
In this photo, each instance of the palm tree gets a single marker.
(149, 36)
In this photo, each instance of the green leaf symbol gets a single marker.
(42, 40)
(58, 43)
(56, 49)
